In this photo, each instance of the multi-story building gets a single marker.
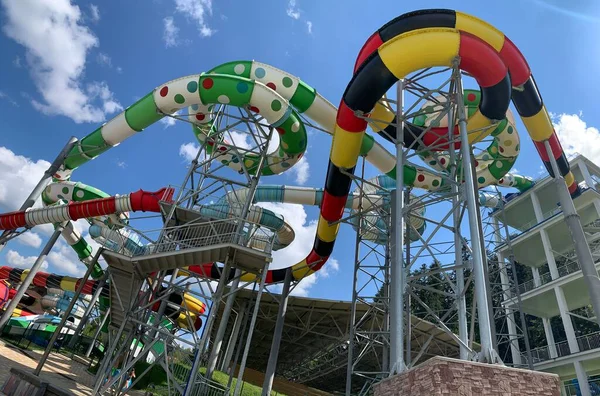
(541, 241)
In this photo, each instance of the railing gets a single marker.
(585, 343)
(573, 389)
(569, 266)
(134, 243)
(545, 216)
(205, 387)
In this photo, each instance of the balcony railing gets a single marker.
(545, 216)
(585, 343)
(568, 265)
(572, 389)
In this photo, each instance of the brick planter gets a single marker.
(445, 376)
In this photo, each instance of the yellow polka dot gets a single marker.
(284, 145)
(493, 150)
(508, 143)
(248, 163)
(426, 187)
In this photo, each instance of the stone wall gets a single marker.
(445, 376)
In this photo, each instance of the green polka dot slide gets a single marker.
(494, 163)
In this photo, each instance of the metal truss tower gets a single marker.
(435, 242)
(209, 220)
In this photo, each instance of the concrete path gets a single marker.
(59, 370)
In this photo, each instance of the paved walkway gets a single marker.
(59, 370)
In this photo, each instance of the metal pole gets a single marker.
(461, 302)
(408, 357)
(233, 338)
(349, 367)
(239, 344)
(582, 249)
(274, 354)
(65, 315)
(88, 310)
(29, 278)
(470, 190)
(397, 275)
(104, 318)
(218, 341)
(37, 190)
(238, 385)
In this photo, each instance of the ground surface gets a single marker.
(59, 370)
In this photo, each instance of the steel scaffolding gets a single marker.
(205, 223)
(451, 249)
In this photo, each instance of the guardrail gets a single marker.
(134, 243)
(585, 343)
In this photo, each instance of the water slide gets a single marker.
(415, 41)
(280, 98)
(178, 303)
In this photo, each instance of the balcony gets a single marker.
(585, 342)
(566, 263)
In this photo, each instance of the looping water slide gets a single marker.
(410, 42)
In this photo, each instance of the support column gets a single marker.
(537, 281)
(585, 172)
(549, 338)
(549, 255)
(488, 354)
(218, 341)
(537, 208)
(88, 311)
(582, 378)
(238, 385)
(566, 319)
(272, 364)
(397, 273)
(65, 315)
(584, 255)
(29, 278)
(461, 300)
(515, 351)
(102, 322)
(234, 336)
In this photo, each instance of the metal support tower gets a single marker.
(447, 259)
(196, 230)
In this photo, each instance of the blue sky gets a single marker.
(68, 66)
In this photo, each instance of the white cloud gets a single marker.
(301, 170)
(57, 44)
(170, 32)
(188, 151)
(5, 96)
(14, 259)
(122, 164)
(197, 10)
(95, 12)
(119, 69)
(30, 238)
(64, 261)
(46, 229)
(309, 26)
(577, 137)
(18, 176)
(292, 10)
(17, 62)
(305, 231)
(169, 121)
(100, 90)
(104, 60)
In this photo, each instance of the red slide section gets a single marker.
(138, 201)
